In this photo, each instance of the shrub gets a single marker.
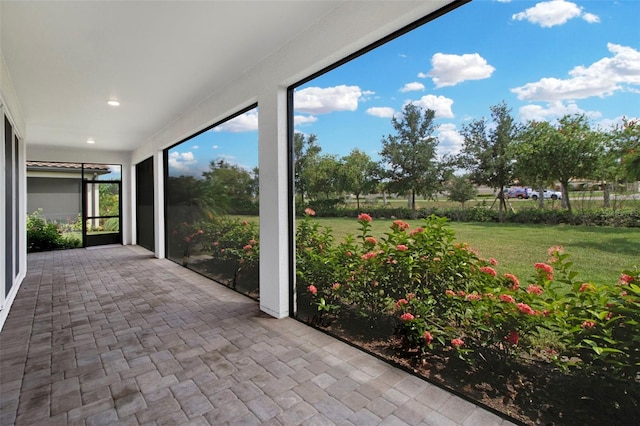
(43, 236)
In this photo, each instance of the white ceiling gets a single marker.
(158, 58)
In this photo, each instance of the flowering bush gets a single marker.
(448, 300)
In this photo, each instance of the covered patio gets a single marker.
(112, 335)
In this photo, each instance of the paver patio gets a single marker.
(114, 336)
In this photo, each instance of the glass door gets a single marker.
(101, 209)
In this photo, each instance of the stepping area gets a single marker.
(113, 336)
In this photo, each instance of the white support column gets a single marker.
(274, 222)
(158, 208)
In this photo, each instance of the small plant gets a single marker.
(45, 236)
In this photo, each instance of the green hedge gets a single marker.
(629, 218)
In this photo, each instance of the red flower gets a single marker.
(400, 225)
(187, 240)
(312, 289)
(200, 232)
(402, 247)
(626, 279)
(450, 293)
(546, 268)
(493, 261)
(507, 299)
(488, 270)
(456, 343)
(252, 241)
(416, 231)
(586, 287)
(336, 286)
(513, 337)
(245, 223)
(247, 247)
(534, 289)
(473, 296)
(369, 255)
(407, 317)
(364, 217)
(371, 240)
(400, 303)
(516, 283)
(525, 309)
(309, 211)
(427, 337)
(555, 250)
(588, 324)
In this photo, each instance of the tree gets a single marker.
(324, 176)
(305, 151)
(409, 157)
(359, 173)
(533, 160)
(574, 150)
(627, 142)
(461, 189)
(230, 187)
(487, 152)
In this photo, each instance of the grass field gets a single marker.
(598, 253)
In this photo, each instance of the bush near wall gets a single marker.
(629, 218)
(46, 236)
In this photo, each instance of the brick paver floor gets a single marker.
(113, 336)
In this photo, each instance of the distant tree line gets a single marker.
(497, 152)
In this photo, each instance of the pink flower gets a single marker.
(546, 268)
(400, 303)
(525, 309)
(245, 223)
(489, 270)
(555, 250)
(187, 240)
(402, 247)
(407, 317)
(252, 241)
(588, 324)
(626, 279)
(312, 289)
(400, 225)
(200, 232)
(427, 337)
(411, 296)
(216, 244)
(586, 287)
(364, 217)
(247, 247)
(336, 286)
(450, 293)
(456, 343)
(493, 261)
(461, 293)
(368, 255)
(515, 282)
(507, 299)
(513, 337)
(416, 231)
(473, 296)
(309, 211)
(534, 289)
(371, 240)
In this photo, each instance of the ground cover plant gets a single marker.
(549, 346)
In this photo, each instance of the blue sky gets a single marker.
(543, 58)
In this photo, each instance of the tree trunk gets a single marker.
(358, 201)
(413, 199)
(607, 194)
(565, 200)
(541, 197)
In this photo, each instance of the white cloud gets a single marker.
(552, 111)
(195, 147)
(412, 87)
(439, 104)
(555, 12)
(215, 147)
(449, 70)
(382, 112)
(182, 161)
(423, 75)
(247, 122)
(318, 100)
(451, 140)
(602, 78)
(304, 119)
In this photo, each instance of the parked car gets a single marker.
(547, 194)
(519, 192)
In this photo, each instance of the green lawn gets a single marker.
(598, 253)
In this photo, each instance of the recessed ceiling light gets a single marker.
(91, 141)
(113, 103)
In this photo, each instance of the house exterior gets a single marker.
(177, 68)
